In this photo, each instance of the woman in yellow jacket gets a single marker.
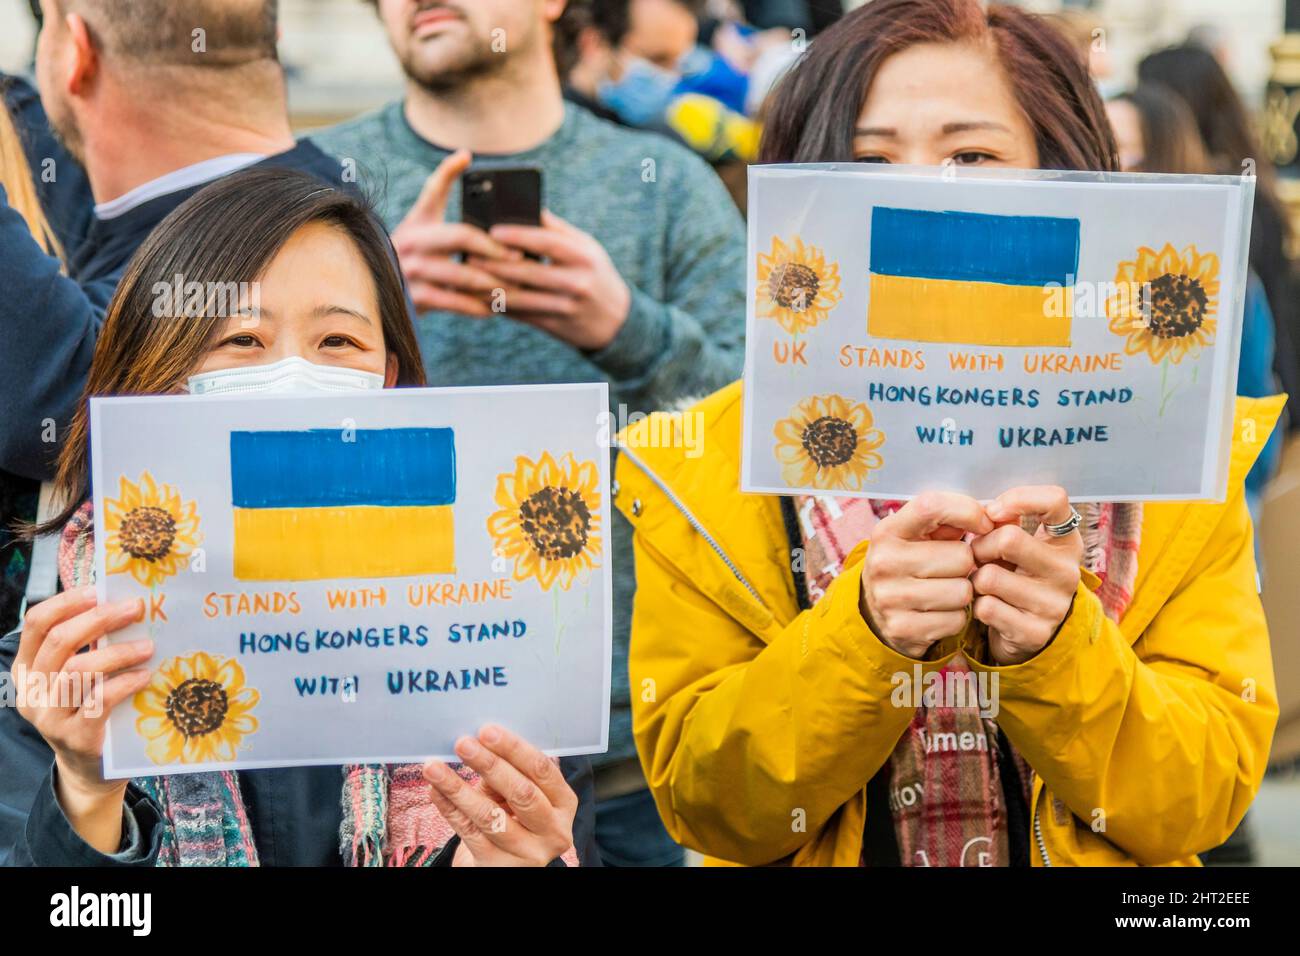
(783, 651)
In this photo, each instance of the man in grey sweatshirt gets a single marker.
(640, 281)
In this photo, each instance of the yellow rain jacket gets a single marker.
(759, 725)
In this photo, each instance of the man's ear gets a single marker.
(85, 58)
(390, 371)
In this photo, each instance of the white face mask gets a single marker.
(292, 375)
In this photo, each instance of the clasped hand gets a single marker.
(941, 554)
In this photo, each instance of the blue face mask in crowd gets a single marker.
(294, 375)
(642, 95)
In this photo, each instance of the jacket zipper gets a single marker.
(694, 523)
(1038, 837)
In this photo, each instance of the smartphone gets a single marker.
(502, 195)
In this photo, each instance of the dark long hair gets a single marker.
(1193, 74)
(228, 232)
(1196, 76)
(814, 109)
(1170, 140)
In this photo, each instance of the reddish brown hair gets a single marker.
(813, 111)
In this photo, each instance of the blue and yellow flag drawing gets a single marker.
(326, 503)
(971, 278)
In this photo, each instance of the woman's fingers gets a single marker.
(111, 659)
(923, 594)
(1026, 633)
(468, 831)
(477, 819)
(1049, 503)
(47, 614)
(524, 798)
(1018, 590)
(112, 692)
(71, 634)
(894, 558)
(1013, 545)
(531, 762)
(932, 510)
(477, 808)
(78, 688)
(126, 684)
(917, 628)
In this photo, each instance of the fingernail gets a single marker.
(86, 591)
(490, 734)
(995, 511)
(144, 647)
(434, 770)
(467, 748)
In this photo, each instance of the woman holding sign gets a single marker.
(331, 315)
(794, 656)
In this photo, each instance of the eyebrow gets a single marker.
(948, 128)
(327, 311)
(320, 312)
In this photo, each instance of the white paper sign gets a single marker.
(915, 328)
(356, 578)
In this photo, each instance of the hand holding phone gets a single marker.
(430, 249)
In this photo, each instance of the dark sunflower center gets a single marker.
(830, 441)
(793, 286)
(557, 522)
(197, 707)
(148, 533)
(1174, 305)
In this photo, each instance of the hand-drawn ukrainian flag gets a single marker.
(971, 278)
(371, 503)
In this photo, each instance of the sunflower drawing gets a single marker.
(1167, 302)
(796, 286)
(151, 531)
(828, 442)
(196, 709)
(548, 521)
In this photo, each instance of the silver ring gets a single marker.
(1067, 526)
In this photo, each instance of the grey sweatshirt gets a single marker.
(672, 232)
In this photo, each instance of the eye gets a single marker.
(972, 158)
(871, 159)
(337, 342)
(241, 341)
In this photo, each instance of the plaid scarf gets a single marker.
(946, 788)
(387, 819)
